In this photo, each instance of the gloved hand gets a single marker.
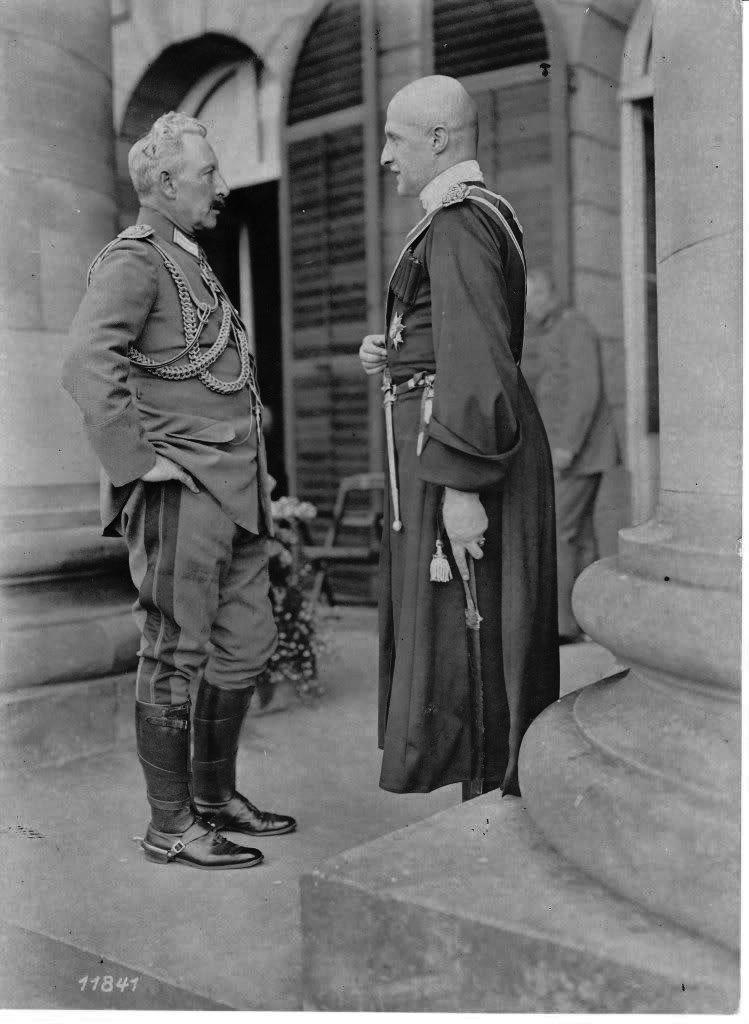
(164, 469)
(465, 524)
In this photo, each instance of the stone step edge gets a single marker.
(20, 621)
(109, 966)
(707, 960)
(56, 723)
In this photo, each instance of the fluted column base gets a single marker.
(472, 910)
(636, 779)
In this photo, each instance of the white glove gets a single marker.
(164, 469)
(465, 524)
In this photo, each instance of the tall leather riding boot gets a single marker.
(217, 723)
(177, 832)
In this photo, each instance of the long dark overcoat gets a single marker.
(455, 307)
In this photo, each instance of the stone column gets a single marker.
(65, 595)
(636, 779)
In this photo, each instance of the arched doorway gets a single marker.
(220, 81)
(639, 284)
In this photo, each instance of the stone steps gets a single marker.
(41, 972)
(471, 910)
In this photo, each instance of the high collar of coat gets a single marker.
(165, 227)
(432, 194)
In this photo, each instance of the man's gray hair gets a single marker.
(160, 150)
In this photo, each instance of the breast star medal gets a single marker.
(396, 331)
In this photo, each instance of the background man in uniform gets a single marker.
(162, 372)
(567, 381)
(471, 474)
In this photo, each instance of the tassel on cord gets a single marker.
(439, 569)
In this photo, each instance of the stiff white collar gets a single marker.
(181, 239)
(431, 195)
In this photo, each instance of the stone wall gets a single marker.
(65, 593)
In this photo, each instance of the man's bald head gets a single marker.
(438, 101)
(432, 124)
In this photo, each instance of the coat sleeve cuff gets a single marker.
(122, 448)
(442, 464)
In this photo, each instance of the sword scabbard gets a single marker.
(388, 399)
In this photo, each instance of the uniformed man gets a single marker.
(470, 476)
(568, 386)
(161, 370)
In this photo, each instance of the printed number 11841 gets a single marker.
(107, 983)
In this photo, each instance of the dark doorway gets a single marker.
(253, 212)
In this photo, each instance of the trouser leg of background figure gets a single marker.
(176, 543)
(587, 541)
(576, 545)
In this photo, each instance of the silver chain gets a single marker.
(195, 315)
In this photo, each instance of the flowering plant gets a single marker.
(286, 509)
(295, 658)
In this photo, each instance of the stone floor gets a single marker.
(79, 901)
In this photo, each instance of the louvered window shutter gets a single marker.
(474, 36)
(326, 291)
(328, 74)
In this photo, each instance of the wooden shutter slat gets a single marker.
(327, 243)
(329, 311)
(328, 74)
(472, 36)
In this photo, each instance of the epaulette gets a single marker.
(455, 194)
(137, 231)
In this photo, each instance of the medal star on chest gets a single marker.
(396, 331)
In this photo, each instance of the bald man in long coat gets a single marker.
(471, 474)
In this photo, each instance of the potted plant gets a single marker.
(292, 669)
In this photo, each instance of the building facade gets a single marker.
(295, 96)
(614, 128)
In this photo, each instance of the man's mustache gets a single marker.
(218, 205)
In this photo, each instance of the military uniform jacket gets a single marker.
(130, 415)
(455, 309)
(567, 382)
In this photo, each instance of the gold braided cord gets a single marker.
(195, 315)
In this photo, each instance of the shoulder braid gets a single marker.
(136, 232)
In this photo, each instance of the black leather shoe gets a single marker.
(239, 815)
(199, 846)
